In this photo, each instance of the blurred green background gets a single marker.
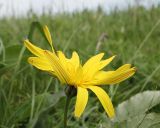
(32, 98)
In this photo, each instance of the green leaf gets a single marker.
(151, 120)
(137, 105)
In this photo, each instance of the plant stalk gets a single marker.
(68, 99)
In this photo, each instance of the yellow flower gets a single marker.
(70, 71)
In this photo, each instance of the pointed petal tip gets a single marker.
(45, 26)
(101, 54)
(113, 57)
(134, 68)
(74, 52)
(47, 34)
(46, 29)
(104, 99)
(81, 101)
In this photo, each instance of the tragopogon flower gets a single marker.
(71, 72)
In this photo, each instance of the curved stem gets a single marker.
(68, 99)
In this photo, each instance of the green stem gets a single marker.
(68, 99)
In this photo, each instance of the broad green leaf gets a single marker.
(137, 105)
(151, 120)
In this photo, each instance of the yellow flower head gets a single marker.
(70, 71)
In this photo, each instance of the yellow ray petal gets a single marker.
(77, 77)
(40, 63)
(92, 61)
(75, 68)
(48, 36)
(92, 66)
(104, 99)
(34, 49)
(81, 101)
(124, 67)
(72, 65)
(75, 60)
(65, 62)
(62, 57)
(104, 63)
(59, 69)
(114, 77)
(121, 76)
